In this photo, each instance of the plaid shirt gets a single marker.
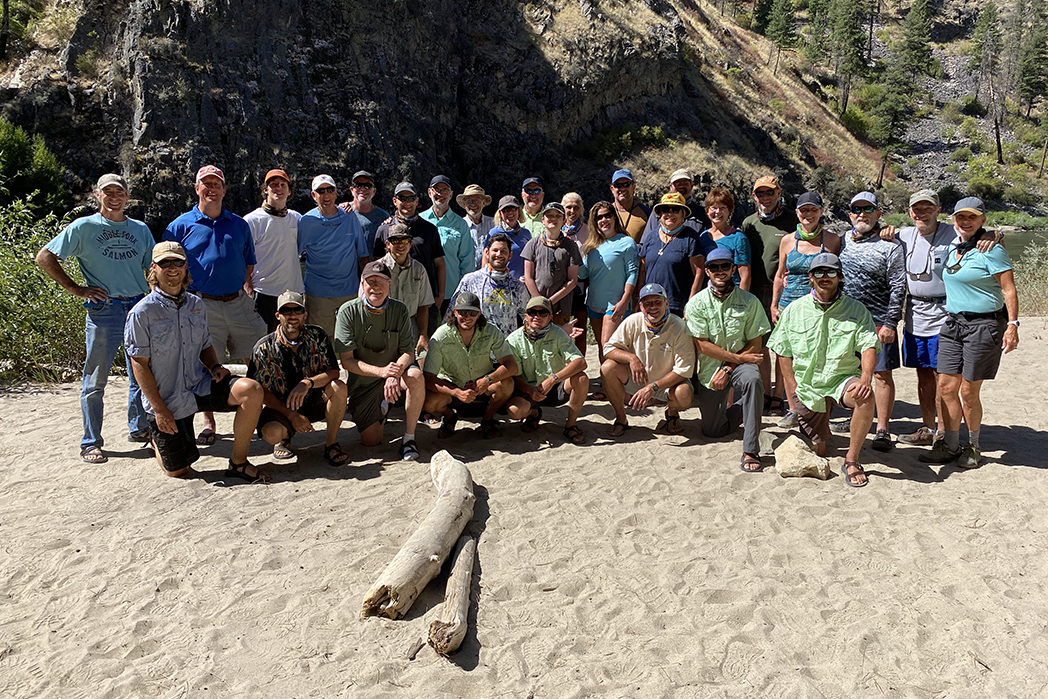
(279, 367)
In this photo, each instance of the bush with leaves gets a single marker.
(29, 172)
(42, 336)
(1031, 280)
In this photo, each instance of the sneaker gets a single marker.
(939, 454)
(408, 451)
(882, 441)
(969, 457)
(789, 420)
(841, 427)
(923, 437)
(139, 437)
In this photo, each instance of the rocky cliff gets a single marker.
(484, 91)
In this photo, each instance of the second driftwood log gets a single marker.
(421, 558)
(447, 632)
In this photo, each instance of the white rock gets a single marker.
(793, 458)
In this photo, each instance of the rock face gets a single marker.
(486, 92)
(794, 459)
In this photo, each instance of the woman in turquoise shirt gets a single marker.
(720, 205)
(611, 264)
(982, 323)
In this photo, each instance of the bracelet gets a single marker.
(216, 366)
(312, 383)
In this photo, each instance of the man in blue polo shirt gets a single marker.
(113, 252)
(221, 256)
(454, 235)
(336, 251)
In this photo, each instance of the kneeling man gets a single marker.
(297, 369)
(828, 342)
(552, 370)
(374, 340)
(171, 354)
(653, 348)
(728, 325)
(460, 376)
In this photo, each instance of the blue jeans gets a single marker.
(104, 332)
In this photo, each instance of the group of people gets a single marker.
(476, 316)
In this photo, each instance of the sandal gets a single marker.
(574, 435)
(773, 406)
(93, 455)
(282, 451)
(851, 477)
(140, 437)
(447, 426)
(240, 471)
(751, 460)
(409, 451)
(490, 429)
(207, 436)
(531, 422)
(618, 429)
(670, 423)
(334, 454)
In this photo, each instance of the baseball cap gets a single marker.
(404, 187)
(168, 250)
(681, 174)
(539, 302)
(868, 197)
(825, 259)
(320, 180)
(973, 204)
(553, 206)
(398, 230)
(652, 290)
(509, 200)
(106, 180)
(210, 171)
(276, 173)
(439, 179)
(467, 301)
(531, 180)
(812, 198)
(291, 297)
(769, 181)
(363, 173)
(622, 174)
(928, 195)
(377, 268)
(720, 255)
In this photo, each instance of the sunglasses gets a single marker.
(863, 209)
(467, 314)
(164, 264)
(621, 185)
(362, 185)
(671, 210)
(326, 190)
(399, 241)
(291, 311)
(820, 273)
(541, 312)
(602, 217)
(406, 197)
(720, 267)
(533, 190)
(764, 193)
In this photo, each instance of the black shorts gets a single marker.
(556, 397)
(266, 308)
(179, 450)
(217, 401)
(475, 409)
(314, 408)
(971, 346)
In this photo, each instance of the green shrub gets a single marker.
(897, 220)
(744, 20)
(985, 187)
(1018, 195)
(857, 122)
(1017, 219)
(1031, 280)
(869, 95)
(961, 155)
(894, 196)
(1014, 153)
(948, 196)
(971, 106)
(951, 113)
(29, 171)
(970, 128)
(41, 336)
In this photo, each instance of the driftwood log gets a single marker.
(421, 558)
(447, 632)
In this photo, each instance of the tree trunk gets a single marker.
(997, 136)
(880, 175)
(845, 94)
(778, 52)
(446, 633)
(1044, 152)
(5, 29)
(420, 560)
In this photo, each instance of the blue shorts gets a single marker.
(888, 357)
(920, 352)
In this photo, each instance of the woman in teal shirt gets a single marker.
(611, 264)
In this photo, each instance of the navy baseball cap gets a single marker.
(720, 255)
(812, 198)
(439, 179)
(531, 180)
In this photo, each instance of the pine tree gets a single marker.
(914, 53)
(1031, 75)
(1014, 33)
(816, 44)
(848, 42)
(780, 28)
(761, 15)
(986, 39)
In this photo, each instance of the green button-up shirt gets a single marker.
(451, 360)
(825, 344)
(728, 323)
(540, 359)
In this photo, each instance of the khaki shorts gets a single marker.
(234, 326)
(816, 425)
(322, 311)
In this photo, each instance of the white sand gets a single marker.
(648, 567)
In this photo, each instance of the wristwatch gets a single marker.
(1013, 322)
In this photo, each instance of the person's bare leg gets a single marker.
(518, 408)
(949, 388)
(597, 325)
(679, 398)
(247, 396)
(437, 403)
(336, 393)
(862, 417)
(789, 386)
(927, 396)
(576, 389)
(503, 391)
(274, 432)
(766, 371)
(971, 404)
(372, 435)
(414, 387)
(613, 378)
(884, 392)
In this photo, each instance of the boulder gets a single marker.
(793, 458)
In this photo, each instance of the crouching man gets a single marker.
(459, 374)
(653, 349)
(728, 325)
(297, 369)
(552, 371)
(171, 354)
(829, 343)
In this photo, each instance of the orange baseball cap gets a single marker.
(276, 173)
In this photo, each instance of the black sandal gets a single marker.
(334, 454)
(490, 429)
(531, 422)
(447, 426)
(240, 471)
(574, 435)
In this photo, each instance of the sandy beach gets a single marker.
(650, 566)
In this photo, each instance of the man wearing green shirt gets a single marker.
(458, 370)
(829, 344)
(376, 346)
(552, 371)
(729, 325)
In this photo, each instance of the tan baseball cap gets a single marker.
(168, 250)
(292, 297)
(770, 181)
